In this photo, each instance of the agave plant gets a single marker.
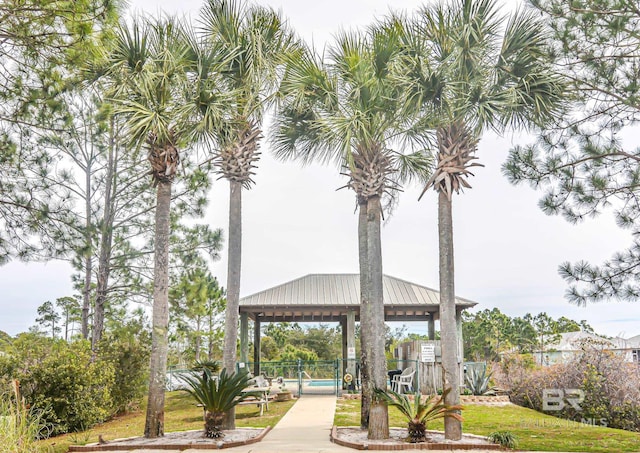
(478, 382)
(420, 412)
(217, 396)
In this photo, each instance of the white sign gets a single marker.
(351, 353)
(428, 353)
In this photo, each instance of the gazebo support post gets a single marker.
(460, 345)
(256, 347)
(351, 343)
(244, 338)
(431, 326)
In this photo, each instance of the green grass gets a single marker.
(534, 430)
(181, 414)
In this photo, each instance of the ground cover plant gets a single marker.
(181, 414)
(535, 431)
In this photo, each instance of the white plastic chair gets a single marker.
(403, 380)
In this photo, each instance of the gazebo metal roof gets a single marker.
(328, 297)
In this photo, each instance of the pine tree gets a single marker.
(583, 165)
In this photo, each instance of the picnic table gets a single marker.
(261, 401)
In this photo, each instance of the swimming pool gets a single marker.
(323, 383)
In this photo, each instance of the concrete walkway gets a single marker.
(305, 428)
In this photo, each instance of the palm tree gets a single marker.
(165, 89)
(262, 39)
(469, 72)
(347, 111)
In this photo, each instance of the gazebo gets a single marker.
(336, 298)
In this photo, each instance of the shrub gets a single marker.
(129, 358)
(60, 379)
(611, 388)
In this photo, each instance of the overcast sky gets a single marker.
(295, 222)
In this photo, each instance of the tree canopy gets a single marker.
(586, 165)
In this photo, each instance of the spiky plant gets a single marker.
(217, 396)
(420, 412)
(478, 382)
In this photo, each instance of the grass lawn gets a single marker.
(535, 431)
(181, 414)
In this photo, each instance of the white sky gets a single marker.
(295, 223)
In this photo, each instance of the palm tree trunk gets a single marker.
(233, 287)
(365, 406)
(448, 328)
(154, 425)
(378, 414)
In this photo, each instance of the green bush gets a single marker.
(611, 388)
(130, 360)
(61, 380)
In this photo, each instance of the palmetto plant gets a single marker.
(468, 70)
(348, 111)
(420, 412)
(217, 396)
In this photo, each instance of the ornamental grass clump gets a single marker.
(420, 412)
(217, 395)
(20, 425)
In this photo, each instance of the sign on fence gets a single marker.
(428, 352)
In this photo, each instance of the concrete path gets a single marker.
(305, 428)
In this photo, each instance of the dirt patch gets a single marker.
(355, 437)
(180, 441)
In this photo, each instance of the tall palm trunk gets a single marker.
(378, 414)
(233, 286)
(365, 406)
(154, 425)
(448, 328)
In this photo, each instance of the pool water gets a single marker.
(328, 383)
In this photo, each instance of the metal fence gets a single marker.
(330, 376)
